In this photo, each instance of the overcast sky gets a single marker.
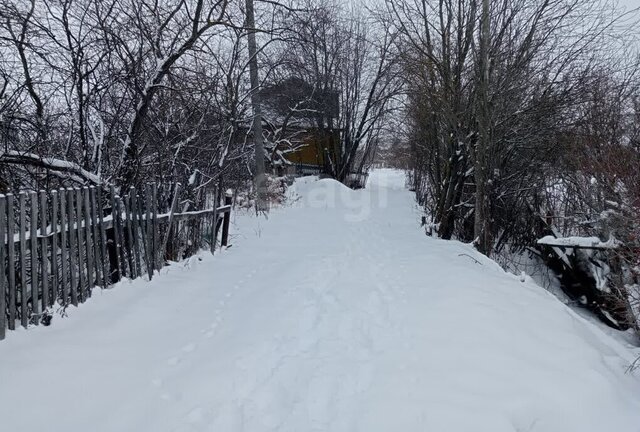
(630, 4)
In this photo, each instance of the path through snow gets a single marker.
(334, 315)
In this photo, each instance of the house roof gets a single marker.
(298, 103)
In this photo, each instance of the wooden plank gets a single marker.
(3, 284)
(54, 248)
(103, 240)
(188, 215)
(65, 263)
(214, 222)
(122, 215)
(142, 236)
(82, 280)
(44, 251)
(115, 217)
(133, 273)
(97, 239)
(197, 234)
(227, 216)
(135, 223)
(33, 252)
(24, 318)
(91, 279)
(138, 226)
(65, 260)
(134, 231)
(73, 246)
(11, 263)
(219, 225)
(174, 205)
(193, 232)
(182, 216)
(154, 226)
(124, 224)
(148, 233)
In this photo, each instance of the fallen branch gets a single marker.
(467, 255)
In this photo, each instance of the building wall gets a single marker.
(316, 146)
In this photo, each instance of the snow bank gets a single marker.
(317, 321)
(579, 242)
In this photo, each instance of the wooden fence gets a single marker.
(56, 246)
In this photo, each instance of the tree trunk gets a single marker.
(259, 175)
(482, 232)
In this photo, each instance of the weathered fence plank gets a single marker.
(214, 222)
(11, 262)
(106, 277)
(3, 285)
(174, 205)
(140, 234)
(64, 255)
(91, 279)
(24, 317)
(135, 229)
(82, 285)
(116, 233)
(44, 252)
(124, 253)
(82, 248)
(228, 196)
(147, 230)
(73, 246)
(97, 240)
(131, 254)
(33, 252)
(154, 226)
(54, 248)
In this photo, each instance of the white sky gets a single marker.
(630, 4)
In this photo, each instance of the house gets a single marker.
(299, 128)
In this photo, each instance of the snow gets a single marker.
(579, 242)
(192, 177)
(55, 164)
(336, 314)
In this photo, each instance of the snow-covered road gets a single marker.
(334, 315)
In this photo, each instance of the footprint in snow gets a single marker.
(189, 348)
(211, 331)
(195, 416)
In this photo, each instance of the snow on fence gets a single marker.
(56, 246)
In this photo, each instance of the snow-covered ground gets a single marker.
(336, 314)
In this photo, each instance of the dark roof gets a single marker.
(294, 93)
